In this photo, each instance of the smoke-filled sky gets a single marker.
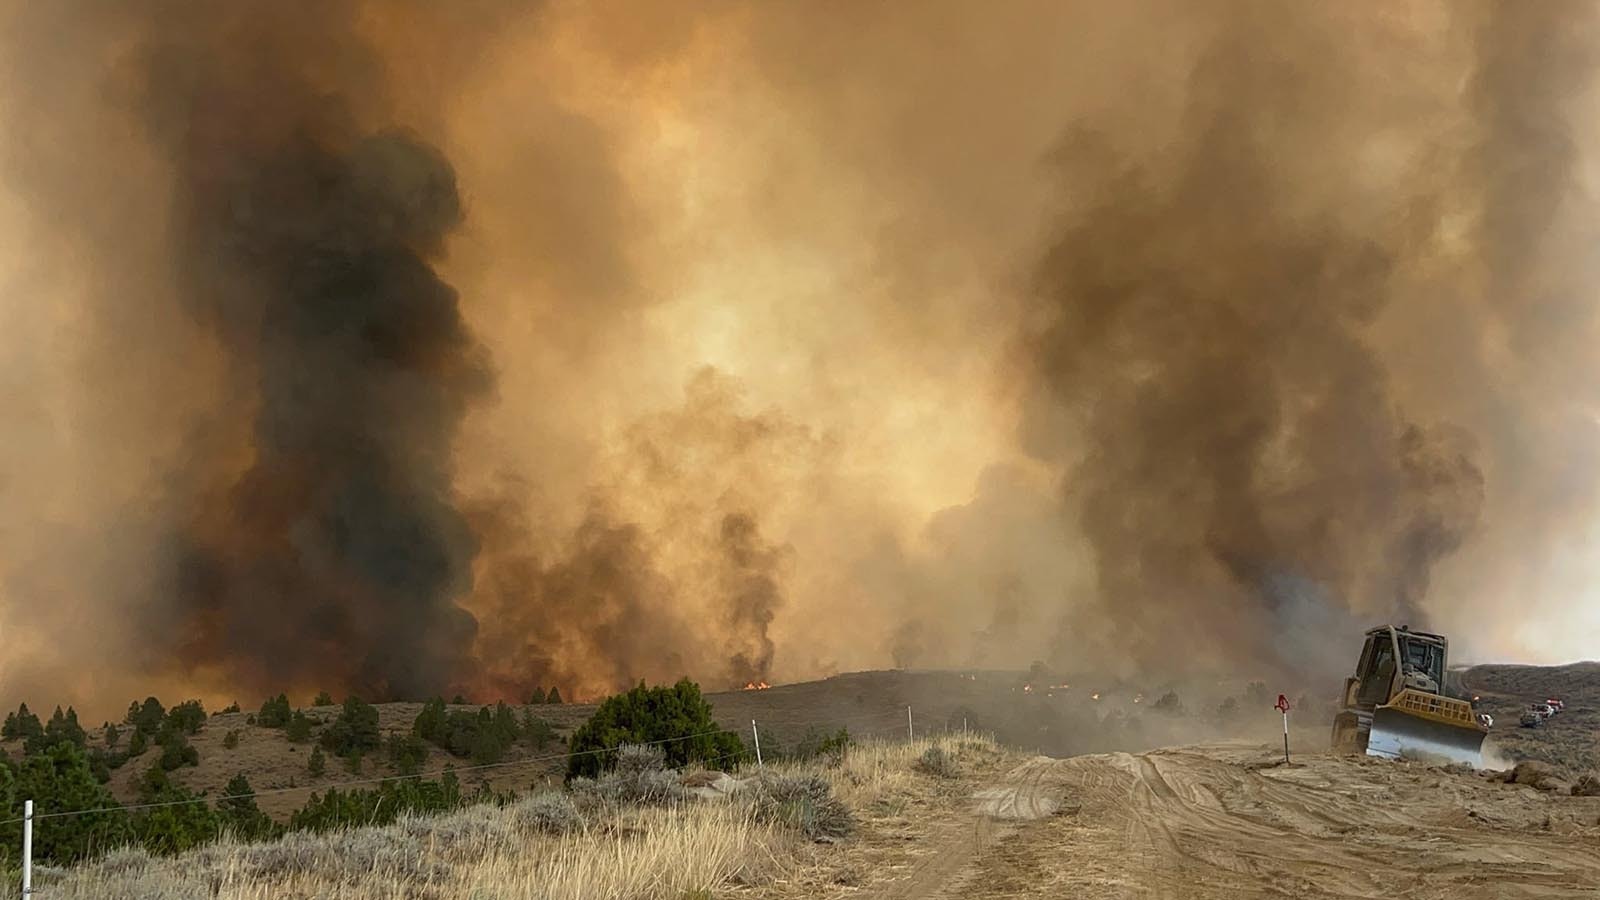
(402, 348)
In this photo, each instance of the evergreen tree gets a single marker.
(430, 722)
(677, 719)
(113, 735)
(299, 728)
(407, 753)
(60, 780)
(317, 764)
(355, 731)
(538, 696)
(275, 712)
(239, 813)
(184, 821)
(554, 696)
(323, 698)
(147, 716)
(23, 725)
(63, 728)
(137, 744)
(186, 717)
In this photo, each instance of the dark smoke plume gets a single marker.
(305, 238)
(1210, 314)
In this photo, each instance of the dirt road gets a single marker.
(1223, 822)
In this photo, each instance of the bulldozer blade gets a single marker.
(1397, 734)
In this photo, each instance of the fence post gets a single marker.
(27, 848)
(757, 735)
(911, 732)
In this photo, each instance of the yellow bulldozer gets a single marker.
(1396, 705)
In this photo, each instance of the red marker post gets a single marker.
(1283, 706)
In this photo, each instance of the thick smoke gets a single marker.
(351, 341)
(305, 239)
(1208, 314)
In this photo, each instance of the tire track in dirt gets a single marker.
(1214, 822)
(1025, 794)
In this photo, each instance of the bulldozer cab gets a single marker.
(1418, 658)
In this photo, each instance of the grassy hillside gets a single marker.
(1571, 740)
(597, 842)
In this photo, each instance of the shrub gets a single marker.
(640, 778)
(936, 762)
(549, 812)
(137, 744)
(230, 708)
(818, 745)
(803, 802)
(352, 762)
(407, 753)
(537, 730)
(317, 764)
(186, 717)
(380, 806)
(113, 734)
(231, 739)
(1255, 694)
(676, 718)
(354, 731)
(176, 752)
(323, 698)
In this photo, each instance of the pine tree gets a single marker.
(147, 716)
(299, 728)
(538, 696)
(238, 810)
(555, 696)
(317, 764)
(275, 712)
(323, 698)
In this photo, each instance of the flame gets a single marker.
(1094, 696)
(1027, 689)
(756, 685)
(1137, 698)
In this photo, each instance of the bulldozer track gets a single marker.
(1206, 823)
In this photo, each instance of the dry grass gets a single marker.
(543, 846)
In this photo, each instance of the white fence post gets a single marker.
(27, 848)
(757, 735)
(911, 732)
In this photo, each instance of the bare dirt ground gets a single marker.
(1227, 821)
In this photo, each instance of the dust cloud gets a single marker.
(401, 348)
